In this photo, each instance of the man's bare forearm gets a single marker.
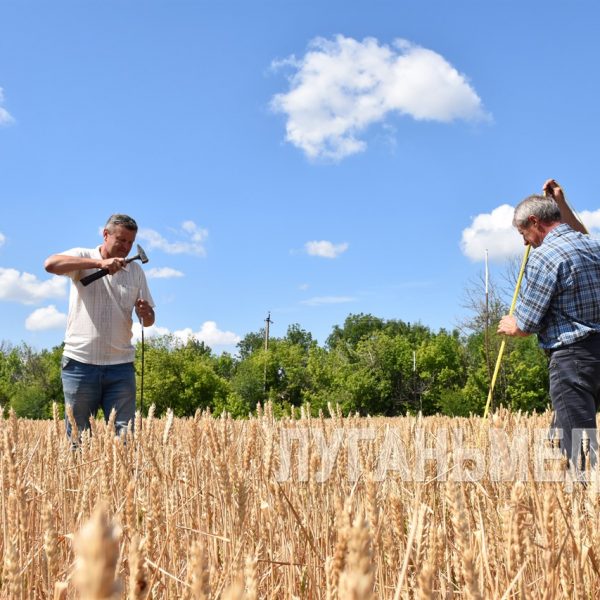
(552, 188)
(60, 264)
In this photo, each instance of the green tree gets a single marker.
(442, 370)
(11, 371)
(322, 366)
(29, 401)
(299, 337)
(247, 382)
(288, 379)
(366, 365)
(526, 377)
(181, 377)
(250, 343)
(373, 378)
(355, 328)
(225, 365)
(30, 381)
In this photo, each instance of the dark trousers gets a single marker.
(575, 393)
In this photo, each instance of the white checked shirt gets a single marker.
(100, 315)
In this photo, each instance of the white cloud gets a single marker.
(46, 318)
(5, 117)
(28, 289)
(149, 332)
(321, 300)
(211, 335)
(208, 333)
(196, 233)
(342, 86)
(325, 249)
(494, 232)
(2, 239)
(163, 273)
(192, 242)
(591, 220)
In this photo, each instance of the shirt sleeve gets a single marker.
(535, 298)
(81, 253)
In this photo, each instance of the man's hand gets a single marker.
(144, 312)
(552, 189)
(112, 265)
(508, 326)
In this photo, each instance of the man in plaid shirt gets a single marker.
(561, 304)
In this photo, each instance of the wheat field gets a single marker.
(301, 507)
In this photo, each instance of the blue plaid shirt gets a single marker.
(561, 299)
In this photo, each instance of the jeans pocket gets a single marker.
(65, 362)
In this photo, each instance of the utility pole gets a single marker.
(268, 322)
(487, 324)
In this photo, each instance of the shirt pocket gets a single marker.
(126, 296)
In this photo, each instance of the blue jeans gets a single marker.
(89, 387)
(575, 393)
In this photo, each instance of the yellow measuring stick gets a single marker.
(503, 344)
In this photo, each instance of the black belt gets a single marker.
(548, 351)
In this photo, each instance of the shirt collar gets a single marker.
(559, 230)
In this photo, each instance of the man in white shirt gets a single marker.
(97, 365)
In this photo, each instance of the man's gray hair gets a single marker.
(123, 220)
(542, 207)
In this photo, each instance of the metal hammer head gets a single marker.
(141, 255)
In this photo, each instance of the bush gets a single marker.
(30, 402)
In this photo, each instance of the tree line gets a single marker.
(368, 365)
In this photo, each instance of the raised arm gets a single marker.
(552, 189)
(61, 264)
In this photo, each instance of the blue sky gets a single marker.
(312, 159)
